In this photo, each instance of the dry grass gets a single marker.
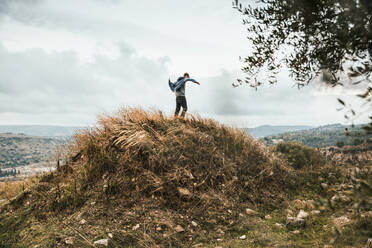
(180, 162)
(145, 164)
(139, 171)
(11, 189)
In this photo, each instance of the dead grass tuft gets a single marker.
(11, 189)
(141, 154)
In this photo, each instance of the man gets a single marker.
(179, 89)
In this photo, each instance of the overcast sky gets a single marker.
(64, 62)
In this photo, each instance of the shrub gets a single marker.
(299, 155)
(340, 144)
(357, 142)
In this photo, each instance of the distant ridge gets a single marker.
(40, 130)
(323, 136)
(67, 131)
(267, 130)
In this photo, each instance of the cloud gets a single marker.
(34, 81)
(92, 72)
(17, 9)
(36, 86)
(219, 97)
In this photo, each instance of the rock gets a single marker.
(334, 200)
(179, 229)
(302, 214)
(69, 241)
(279, 225)
(103, 242)
(136, 227)
(324, 185)
(341, 221)
(184, 191)
(315, 212)
(82, 222)
(249, 211)
(110, 235)
(294, 222)
(369, 243)
(244, 237)
(193, 223)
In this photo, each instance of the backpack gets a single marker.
(172, 86)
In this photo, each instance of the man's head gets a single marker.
(186, 75)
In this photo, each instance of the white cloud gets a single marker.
(63, 62)
(34, 81)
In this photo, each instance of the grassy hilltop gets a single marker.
(141, 179)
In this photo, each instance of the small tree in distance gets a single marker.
(331, 39)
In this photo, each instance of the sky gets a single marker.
(65, 62)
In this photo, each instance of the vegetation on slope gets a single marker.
(330, 135)
(144, 180)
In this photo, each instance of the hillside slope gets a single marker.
(26, 153)
(144, 180)
(267, 130)
(323, 136)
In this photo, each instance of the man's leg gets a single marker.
(184, 106)
(178, 106)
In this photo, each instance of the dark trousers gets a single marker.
(181, 102)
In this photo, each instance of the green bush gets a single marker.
(340, 144)
(299, 155)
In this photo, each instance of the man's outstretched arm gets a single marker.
(192, 80)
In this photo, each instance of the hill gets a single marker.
(266, 130)
(40, 130)
(323, 136)
(144, 180)
(18, 151)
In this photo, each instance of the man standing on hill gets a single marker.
(179, 89)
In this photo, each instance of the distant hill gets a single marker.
(19, 150)
(40, 130)
(266, 130)
(329, 135)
